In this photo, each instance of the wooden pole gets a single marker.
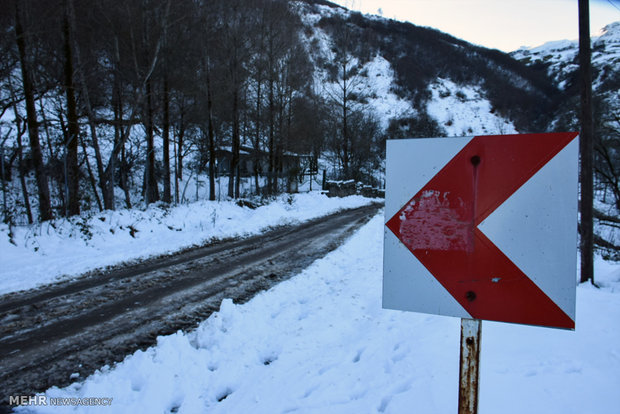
(469, 372)
(586, 143)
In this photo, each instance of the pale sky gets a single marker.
(500, 24)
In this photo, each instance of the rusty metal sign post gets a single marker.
(469, 365)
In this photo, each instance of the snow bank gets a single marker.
(320, 343)
(64, 248)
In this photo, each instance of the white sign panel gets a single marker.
(483, 227)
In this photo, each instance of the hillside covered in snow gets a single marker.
(420, 57)
(559, 60)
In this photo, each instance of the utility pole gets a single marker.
(4, 205)
(586, 144)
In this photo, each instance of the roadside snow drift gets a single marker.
(59, 249)
(320, 343)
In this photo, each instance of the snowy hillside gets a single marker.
(397, 70)
(374, 81)
(377, 82)
(464, 110)
(560, 57)
(320, 343)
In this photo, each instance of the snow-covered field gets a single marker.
(320, 343)
(63, 248)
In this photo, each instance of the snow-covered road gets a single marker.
(49, 334)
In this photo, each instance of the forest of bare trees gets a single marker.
(104, 96)
(107, 104)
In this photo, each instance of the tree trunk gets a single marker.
(22, 176)
(287, 144)
(257, 136)
(236, 144)
(279, 142)
(124, 174)
(180, 155)
(271, 146)
(91, 176)
(176, 175)
(211, 137)
(106, 181)
(119, 139)
(52, 155)
(120, 136)
(45, 210)
(345, 127)
(233, 189)
(73, 130)
(5, 177)
(151, 193)
(166, 140)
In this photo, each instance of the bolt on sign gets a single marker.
(483, 227)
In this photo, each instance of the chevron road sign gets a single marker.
(483, 227)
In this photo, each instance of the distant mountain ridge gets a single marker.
(421, 57)
(559, 61)
(559, 58)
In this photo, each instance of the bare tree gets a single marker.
(345, 94)
(21, 39)
(73, 130)
(235, 20)
(199, 73)
(20, 128)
